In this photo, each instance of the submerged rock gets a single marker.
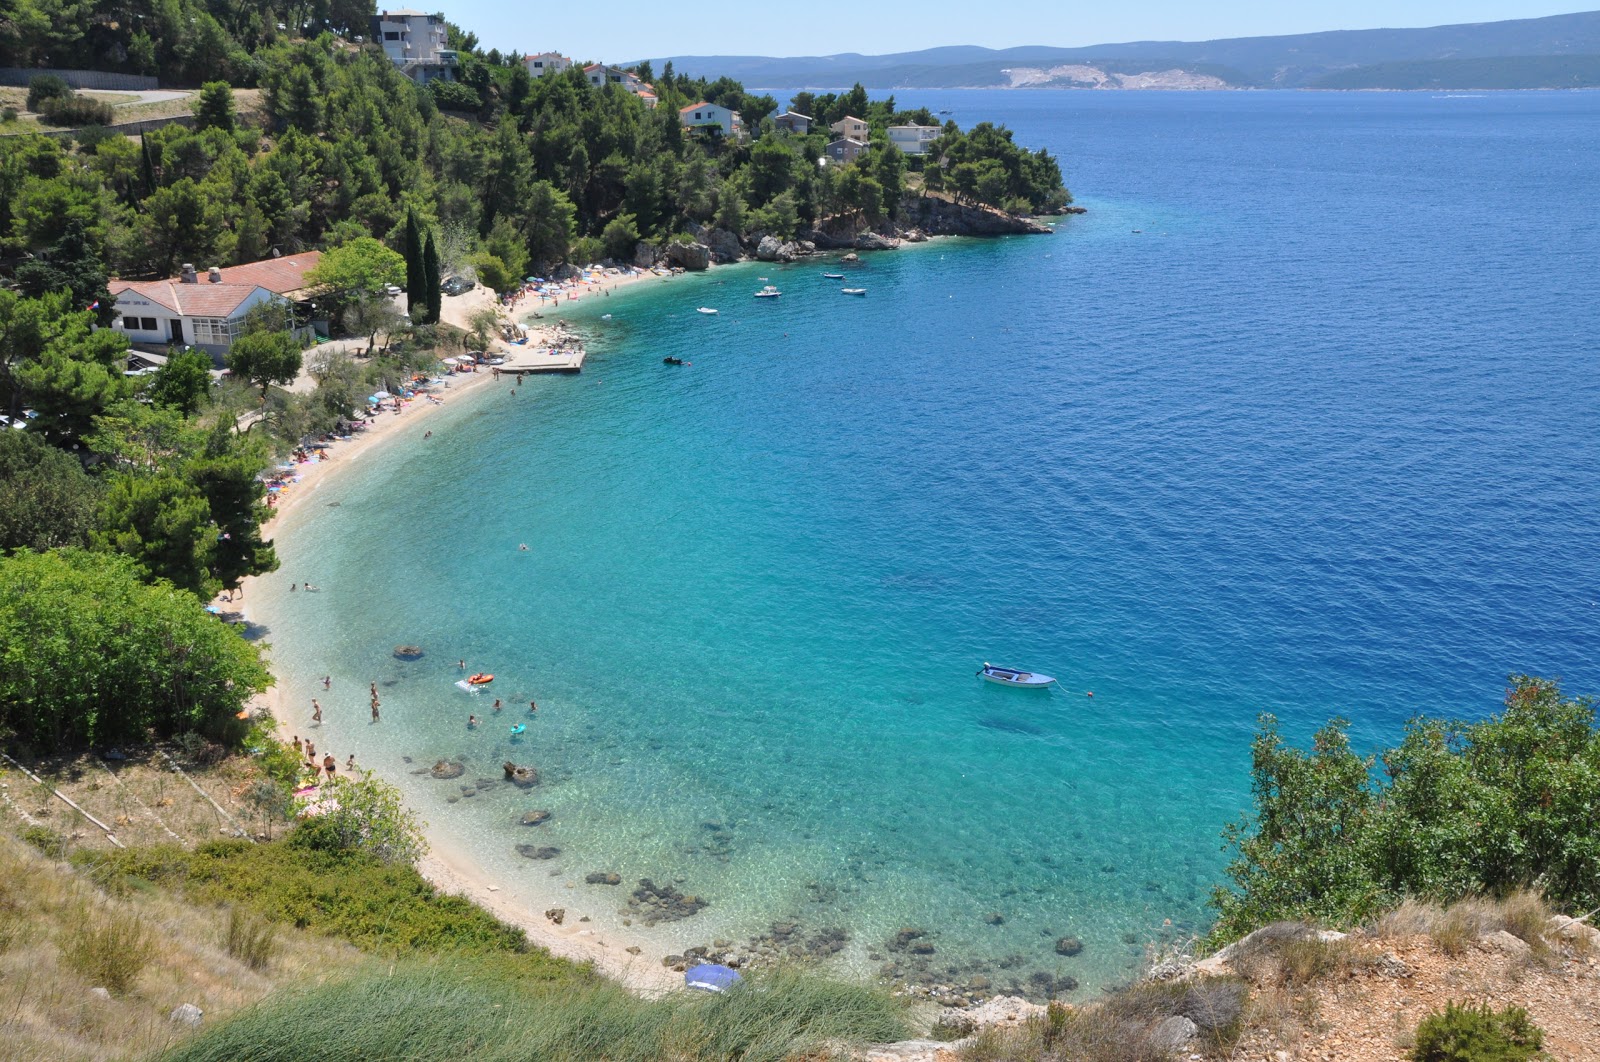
(604, 877)
(1068, 946)
(535, 818)
(663, 903)
(408, 652)
(448, 769)
(522, 777)
(528, 851)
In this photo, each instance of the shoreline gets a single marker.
(446, 866)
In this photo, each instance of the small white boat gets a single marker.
(705, 309)
(768, 292)
(1007, 676)
(833, 276)
(853, 291)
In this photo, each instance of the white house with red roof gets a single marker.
(600, 75)
(208, 312)
(705, 115)
(546, 63)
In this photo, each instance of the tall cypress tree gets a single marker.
(430, 272)
(416, 274)
(147, 167)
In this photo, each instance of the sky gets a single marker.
(625, 30)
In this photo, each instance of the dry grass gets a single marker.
(60, 937)
(1291, 955)
(1524, 914)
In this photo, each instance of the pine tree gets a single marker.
(416, 273)
(430, 272)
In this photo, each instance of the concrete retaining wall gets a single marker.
(81, 79)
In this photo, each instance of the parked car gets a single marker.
(457, 286)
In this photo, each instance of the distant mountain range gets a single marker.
(1560, 51)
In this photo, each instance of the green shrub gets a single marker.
(454, 96)
(1460, 809)
(107, 949)
(1477, 1034)
(8, 114)
(72, 111)
(46, 840)
(46, 87)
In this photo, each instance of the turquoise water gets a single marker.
(1320, 438)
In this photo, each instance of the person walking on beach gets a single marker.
(374, 709)
(316, 711)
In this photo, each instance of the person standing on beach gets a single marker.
(374, 709)
(350, 764)
(311, 749)
(316, 711)
(330, 765)
(297, 745)
(374, 690)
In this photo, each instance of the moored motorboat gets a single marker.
(768, 292)
(1009, 676)
(705, 309)
(853, 291)
(670, 360)
(833, 276)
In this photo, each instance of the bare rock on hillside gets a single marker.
(936, 216)
(767, 250)
(186, 1014)
(644, 255)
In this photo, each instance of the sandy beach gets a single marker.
(446, 865)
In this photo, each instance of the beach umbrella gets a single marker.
(712, 977)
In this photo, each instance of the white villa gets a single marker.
(208, 314)
(704, 115)
(546, 63)
(914, 139)
(852, 129)
(416, 43)
(600, 75)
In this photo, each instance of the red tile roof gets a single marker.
(278, 275)
(188, 300)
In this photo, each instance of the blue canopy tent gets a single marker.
(711, 977)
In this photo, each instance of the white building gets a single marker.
(600, 75)
(546, 63)
(416, 43)
(704, 115)
(206, 313)
(914, 139)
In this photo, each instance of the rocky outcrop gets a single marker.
(447, 769)
(522, 777)
(644, 255)
(654, 903)
(935, 216)
(695, 257)
(603, 877)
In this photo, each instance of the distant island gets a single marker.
(1560, 51)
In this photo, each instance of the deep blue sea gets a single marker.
(1300, 418)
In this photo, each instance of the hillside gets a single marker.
(1293, 61)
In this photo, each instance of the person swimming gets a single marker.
(519, 728)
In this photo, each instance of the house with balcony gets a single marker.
(914, 139)
(793, 122)
(705, 115)
(850, 128)
(417, 43)
(600, 75)
(207, 312)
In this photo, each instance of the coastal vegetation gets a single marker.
(1456, 809)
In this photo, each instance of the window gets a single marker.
(216, 330)
(130, 324)
(148, 323)
(391, 35)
